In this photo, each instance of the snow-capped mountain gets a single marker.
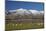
(22, 11)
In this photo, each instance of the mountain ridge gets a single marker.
(22, 11)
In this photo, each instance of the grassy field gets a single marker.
(22, 26)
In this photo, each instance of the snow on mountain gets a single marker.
(22, 11)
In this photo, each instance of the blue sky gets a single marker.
(12, 5)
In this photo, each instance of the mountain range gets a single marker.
(22, 11)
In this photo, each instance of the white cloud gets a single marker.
(12, 10)
(34, 11)
(41, 11)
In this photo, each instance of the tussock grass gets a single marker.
(22, 26)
